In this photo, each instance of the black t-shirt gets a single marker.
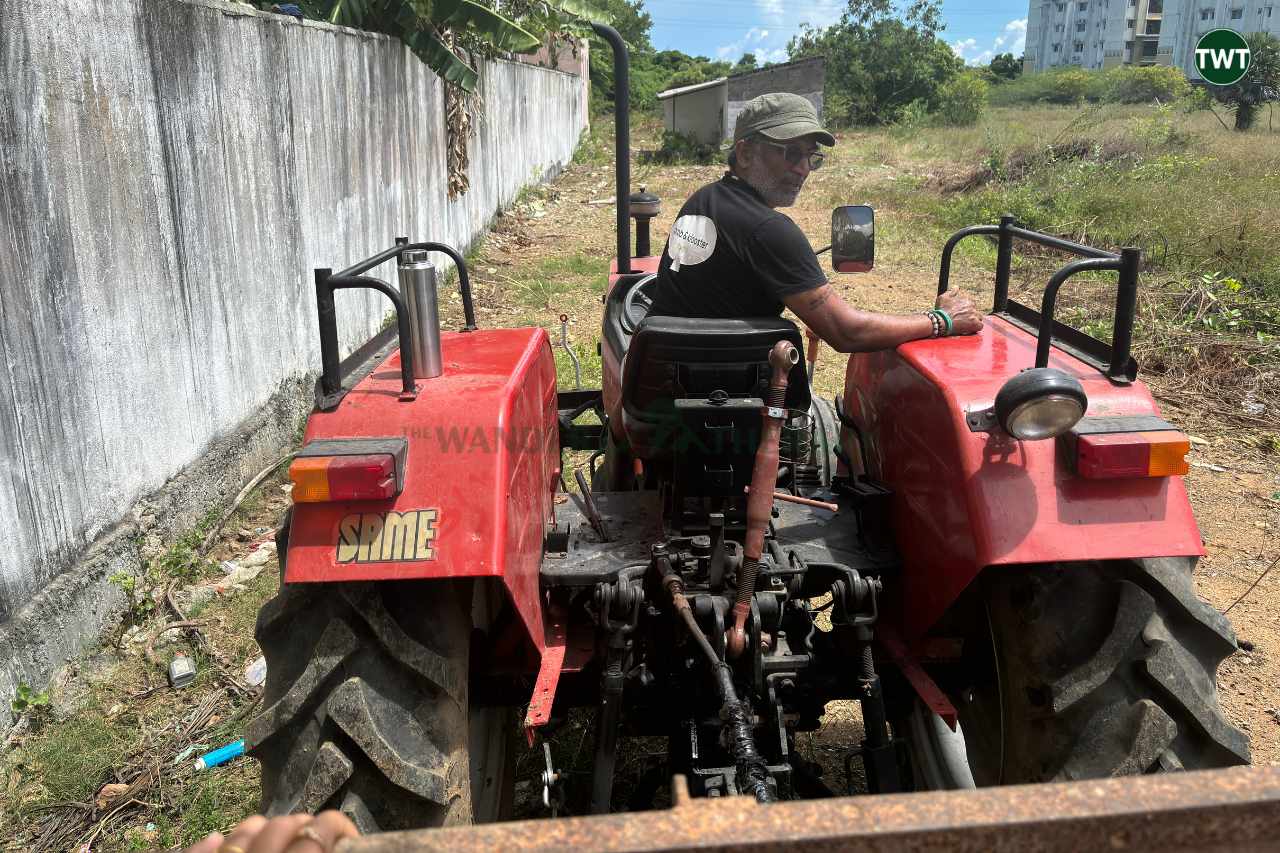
(731, 255)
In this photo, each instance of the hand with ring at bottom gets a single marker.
(295, 833)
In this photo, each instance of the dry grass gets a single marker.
(117, 722)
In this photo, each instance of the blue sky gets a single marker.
(725, 29)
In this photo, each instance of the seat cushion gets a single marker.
(678, 358)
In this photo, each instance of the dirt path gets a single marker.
(1235, 489)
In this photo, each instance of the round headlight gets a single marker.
(1045, 417)
(1040, 403)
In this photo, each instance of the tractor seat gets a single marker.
(684, 358)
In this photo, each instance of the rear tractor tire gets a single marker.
(1101, 669)
(366, 708)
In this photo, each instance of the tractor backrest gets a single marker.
(674, 359)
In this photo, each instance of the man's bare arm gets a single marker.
(847, 329)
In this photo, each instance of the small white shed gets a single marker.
(697, 111)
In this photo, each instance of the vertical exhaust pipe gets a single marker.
(622, 139)
(418, 287)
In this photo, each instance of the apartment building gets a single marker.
(1104, 33)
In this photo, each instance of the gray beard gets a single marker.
(775, 191)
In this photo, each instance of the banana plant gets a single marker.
(418, 23)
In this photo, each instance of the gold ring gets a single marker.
(230, 848)
(310, 834)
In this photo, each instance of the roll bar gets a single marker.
(329, 390)
(1115, 360)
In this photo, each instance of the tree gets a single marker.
(748, 62)
(437, 31)
(879, 62)
(697, 72)
(631, 21)
(634, 24)
(1005, 67)
(1260, 84)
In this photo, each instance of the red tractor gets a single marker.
(995, 527)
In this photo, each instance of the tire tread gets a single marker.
(346, 687)
(1110, 670)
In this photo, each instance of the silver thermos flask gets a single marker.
(418, 288)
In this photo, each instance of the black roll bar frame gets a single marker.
(1114, 360)
(329, 390)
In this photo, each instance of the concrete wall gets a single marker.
(699, 114)
(571, 55)
(805, 77)
(170, 173)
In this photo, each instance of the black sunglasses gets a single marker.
(794, 153)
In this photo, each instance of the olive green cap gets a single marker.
(780, 116)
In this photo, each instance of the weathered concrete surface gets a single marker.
(170, 172)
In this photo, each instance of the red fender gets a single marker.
(963, 501)
(482, 465)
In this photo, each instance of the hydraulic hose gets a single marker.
(764, 477)
(753, 773)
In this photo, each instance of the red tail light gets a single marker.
(1118, 454)
(348, 470)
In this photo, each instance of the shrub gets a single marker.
(1128, 84)
(961, 100)
(680, 148)
(1125, 84)
(1068, 86)
(914, 114)
(837, 108)
(1055, 86)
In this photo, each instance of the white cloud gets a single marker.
(1016, 32)
(768, 40)
(771, 12)
(1012, 39)
(960, 47)
(817, 13)
(752, 41)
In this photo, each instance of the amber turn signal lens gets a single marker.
(320, 479)
(310, 476)
(1168, 454)
(1132, 454)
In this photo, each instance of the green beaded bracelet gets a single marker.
(946, 318)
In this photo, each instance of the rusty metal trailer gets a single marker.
(1235, 809)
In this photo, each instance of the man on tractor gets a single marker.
(731, 253)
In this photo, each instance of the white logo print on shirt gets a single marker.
(692, 240)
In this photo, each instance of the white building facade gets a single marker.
(1096, 34)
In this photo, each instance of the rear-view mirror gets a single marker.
(853, 244)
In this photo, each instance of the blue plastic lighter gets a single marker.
(221, 755)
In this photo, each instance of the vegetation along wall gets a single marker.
(170, 173)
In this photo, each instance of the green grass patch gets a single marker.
(116, 718)
(540, 284)
(595, 148)
(1198, 199)
(72, 759)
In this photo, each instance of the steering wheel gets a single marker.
(637, 303)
